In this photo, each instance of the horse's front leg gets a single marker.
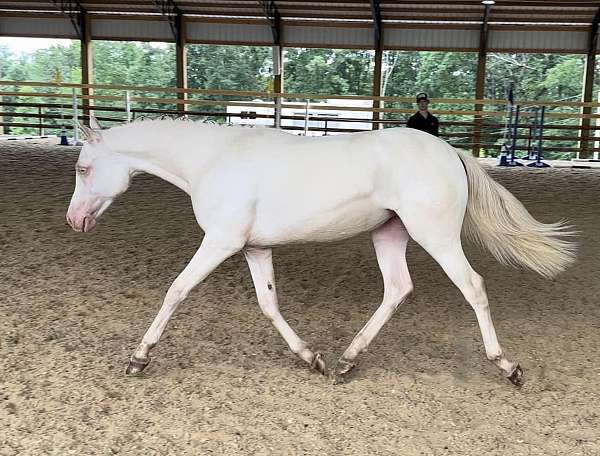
(260, 262)
(211, 253)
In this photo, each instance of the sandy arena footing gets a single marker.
(222, 380)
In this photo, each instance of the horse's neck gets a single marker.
(176, 160)
(166, 171)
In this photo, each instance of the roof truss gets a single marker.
(76, 13)
(171, 12)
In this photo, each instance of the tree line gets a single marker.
(323, 71)
(331, 71)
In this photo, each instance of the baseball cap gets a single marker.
(422, 96)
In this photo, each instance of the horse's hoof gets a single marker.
(318, 364)
(136, 365)
(341, 373)
(516, 376)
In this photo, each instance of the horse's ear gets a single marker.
(94, 124)
(91, 136)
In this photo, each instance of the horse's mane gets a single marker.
(152, 128)
(167, 123)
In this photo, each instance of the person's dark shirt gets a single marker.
(430, 124)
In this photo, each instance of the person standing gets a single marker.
(423, 120)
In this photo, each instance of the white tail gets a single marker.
(496, 220)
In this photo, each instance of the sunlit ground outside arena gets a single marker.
(222, 381)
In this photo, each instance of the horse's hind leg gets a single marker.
(448, 252)
(390, 246)
(260, 262)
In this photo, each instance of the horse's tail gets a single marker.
(495, 219)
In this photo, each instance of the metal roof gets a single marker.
(526, 25)
(574, 12)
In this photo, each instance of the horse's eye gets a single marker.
(81, 170)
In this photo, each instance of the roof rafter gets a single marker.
(171, 13)
(76, 14)
(484, 29)
(376, 13)
(274, 18)
(593, 42)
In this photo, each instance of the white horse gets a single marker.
(253, 189)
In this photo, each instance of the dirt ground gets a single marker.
(73, 307)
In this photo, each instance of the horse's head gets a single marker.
(101, 174)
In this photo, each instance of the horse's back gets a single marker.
(329, 188)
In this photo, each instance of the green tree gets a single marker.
(536, 76)
(539, 77)
(329, 71)
(134, 64)
(399, 73)
(324, 71)
(229, 67)
(243, 68)
(66, 59)
(439, 74)
(5, 61)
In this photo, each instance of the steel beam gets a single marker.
(377, 27)
(274, 18)
(480, 79)
(76, 13)
(171, 13)
(588, 87)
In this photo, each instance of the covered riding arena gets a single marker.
(222, 380)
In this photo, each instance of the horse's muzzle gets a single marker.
(83, 224)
